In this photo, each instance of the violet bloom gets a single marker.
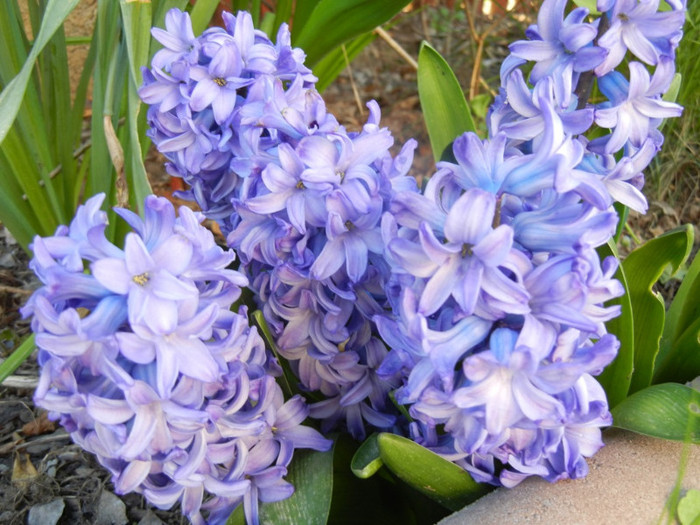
(218, 83)
(177, 38)
(635, 108)
(560, 46)
(639, 26)
(153, 373)
(467, 264)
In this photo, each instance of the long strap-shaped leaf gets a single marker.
(434, 476)
(445, 109)
(333, 22)
(617, 376)
(668, 411)
(311, 473)
(643, 267)
(11, 97)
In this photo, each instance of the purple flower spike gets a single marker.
(153, 373)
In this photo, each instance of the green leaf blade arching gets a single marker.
(202, 13)
(667, 411)
(445, 109)
(311, 473)
(11, 97)
(431, 475)
(331, 65)
(680, 342)
(617, 376)
(347, 18)
(643, 268)
(367, 459)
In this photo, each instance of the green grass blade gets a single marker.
(19, 356)
(445, 109)
(101, 173)
(11, 97)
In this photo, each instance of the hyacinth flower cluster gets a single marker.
(299, 198)
(146, 365)
(499, 294)
(478, 302)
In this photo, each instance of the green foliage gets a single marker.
(679, 350)
(643, 268)
(32, 200)
(428, 473)
(668, 411)
(347, 18)
(17, 357)
(367, 460)
(617, 376)
(444, 107)
(311, 473)
(689, 508)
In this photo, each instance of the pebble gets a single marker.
(47, 513)
(150, 519)
(111, 510)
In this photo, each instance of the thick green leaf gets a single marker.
(302, 13)
(643, 267)
(137, 22)
(283, 14)
(668, 411)
(331, 65)
(202, 13)
(683, 312)
(11, 97)
(17, 357)
(311, 473)
(617, 376)
(445, 109)
(384, 499)
(683, 363)
(689, 508)
(591, 5)
(333, 22)
(367, 461)
(433, 476)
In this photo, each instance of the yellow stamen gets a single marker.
(141, 279)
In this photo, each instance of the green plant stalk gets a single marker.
(19, 356)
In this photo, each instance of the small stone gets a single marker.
(150, 519)
(47, 513)
(111, 510)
